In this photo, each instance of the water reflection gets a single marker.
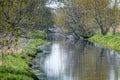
(81, 60)
(54, 66)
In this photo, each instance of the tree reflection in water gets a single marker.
(81, 60)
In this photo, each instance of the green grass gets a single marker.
(37, 34)
(109, 41)
(32, 47)
(15, 66)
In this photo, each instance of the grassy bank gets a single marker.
(16, 66)
(109, 41)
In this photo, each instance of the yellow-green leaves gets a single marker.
(4, 42)
(9, 28)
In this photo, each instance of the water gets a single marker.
(81, 60)
(77, 60)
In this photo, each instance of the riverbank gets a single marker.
(16, 66)
(109, 41)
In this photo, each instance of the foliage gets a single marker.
(115, 16)
(18, 17)
(86, 17)
(109, 40)
(16, 68)
(10, 16)
(35, 40)
(37, 34)
(37, 16)
(32, 46)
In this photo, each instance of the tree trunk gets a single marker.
(114, 30)
(104, 31)
(76, 36)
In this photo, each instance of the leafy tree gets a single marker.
(37, 16)
(17, 17)
(114, 16)
(101, 14)
(10, 16)
(83, 16)
(77, 19)
(106, 14)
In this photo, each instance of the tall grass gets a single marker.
(32, 47)
(15, 66)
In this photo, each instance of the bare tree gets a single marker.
(114, 15)
(77, 19)
(101, 14)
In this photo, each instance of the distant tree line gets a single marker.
(85, 17)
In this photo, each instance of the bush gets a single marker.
(32, 46)
(37, 34)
